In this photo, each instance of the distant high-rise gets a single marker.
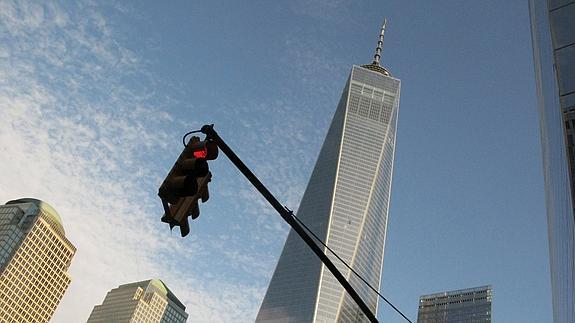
(472, 305)
(145, 301)
(345, 204)
(34, 259)
(553, 35)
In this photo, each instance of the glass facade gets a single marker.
(472, 305)
(346, 205)
(553, 36)
(145, 301)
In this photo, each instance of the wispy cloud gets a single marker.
(84, 128)
(76, 134)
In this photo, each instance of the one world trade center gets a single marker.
(345, 204)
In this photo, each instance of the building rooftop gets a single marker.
(455, 292)
(45, 207)
(159, 287)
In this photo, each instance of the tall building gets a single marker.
(553, 36)
(345, 204)
(145, 301)
(472, 305)
(34, 259)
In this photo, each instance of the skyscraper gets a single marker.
(553, 35)
(34, 258)
(145, 301)
(345, 204)
(472, 305)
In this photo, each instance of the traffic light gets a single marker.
(186, 183)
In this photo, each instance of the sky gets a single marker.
(95, 97)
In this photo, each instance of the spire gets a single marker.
(379, 48)
(376, 65)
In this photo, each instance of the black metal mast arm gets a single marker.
(287, 216)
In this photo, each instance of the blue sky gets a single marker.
(95, 97)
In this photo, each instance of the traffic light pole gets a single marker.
(287, 215)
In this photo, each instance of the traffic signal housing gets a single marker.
(187, 183)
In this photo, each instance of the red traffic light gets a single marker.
(204, 149)
(186, 183)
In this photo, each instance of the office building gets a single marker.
(553, 36)
(345, 204)
(145, 301)
(472, 305)
(34, 259)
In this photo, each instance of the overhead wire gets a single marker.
(348, 266)
(328, 248)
